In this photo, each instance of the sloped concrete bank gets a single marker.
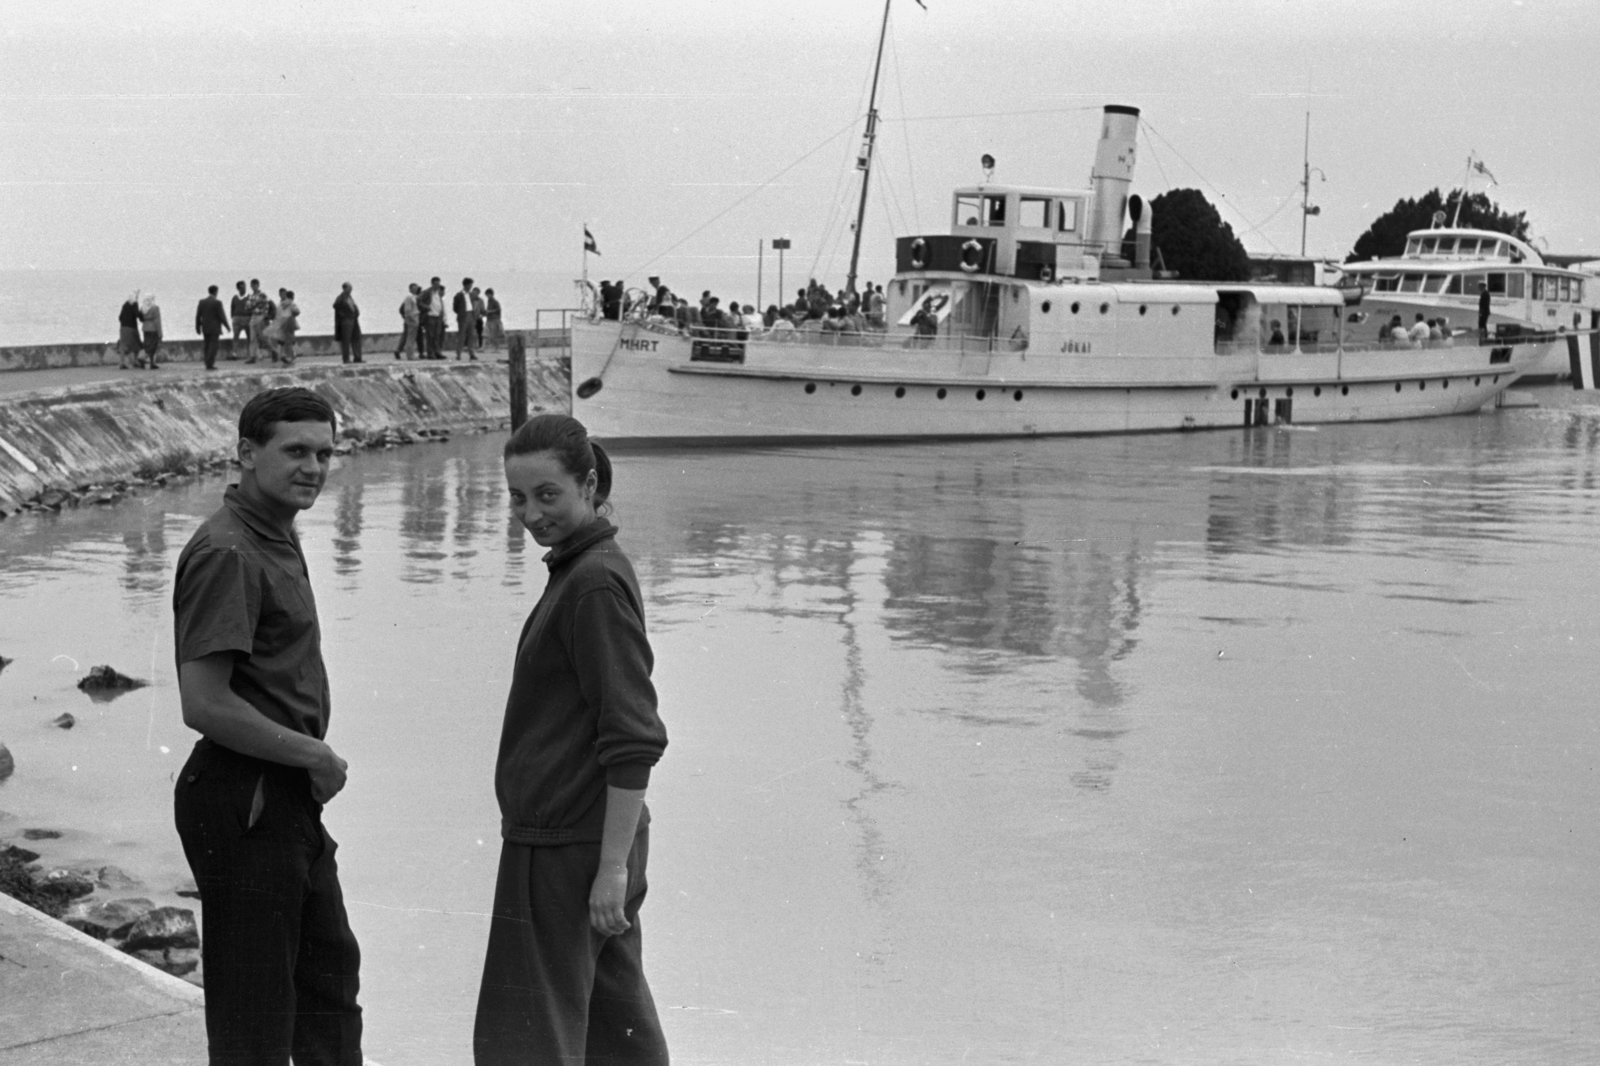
(58, 444)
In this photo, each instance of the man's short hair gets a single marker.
(291, 404)
(256, 282)
(466, 283)
(212, 289)
(238, 284)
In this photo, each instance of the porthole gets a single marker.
(1477, 381)
(1074, 307)
(1421, 385)
(1317, 391)
(1104, 308)
(941, 394)
(811, 386)
(1174, 308)
(1234, 395)
(855, 390)
(1397, 386)
(1344, 390)
(1288, 392)
(1143, 308)
(1445, 384)
(900, 392)
(1262, 394)
(981, 394)
(1017, 395)
(1045, 307)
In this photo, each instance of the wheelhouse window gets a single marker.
(1412, 245)
(1411, 283)
(1430, 245)
(1497, 284)
(994, 210)
(1033, 212)
(1447, 245)
(1067, 220)
(1566, 288)
(968, 210)
(1514, 284)
(1577, 290)
(1468, 246)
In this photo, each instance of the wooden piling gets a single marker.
(516, 347)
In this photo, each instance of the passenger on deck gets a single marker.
(926, 324)
(1435, 334)
(1419, 332)
(874, 308)
(1446, 333)
(1276, 339)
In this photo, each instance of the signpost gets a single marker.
(781, 245)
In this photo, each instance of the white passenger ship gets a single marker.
(1042, 328)
(1442, 271)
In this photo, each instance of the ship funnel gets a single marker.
(1140, 213)
(1113, 174)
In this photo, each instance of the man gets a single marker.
(1483, 310)
(260, 305)
(1419, 332)
(286, 324)
(466, 322)
(347, 325)
(410, 315)
(209, 321)
(240, 313)
(281, 963)
(433, 319)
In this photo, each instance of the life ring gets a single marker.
(919, 254)
(971, 256)
(1045, 273)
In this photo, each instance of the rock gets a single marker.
(53, 499)
(106, 921)
(179, 962)
(103, 683)
(8, 765)
(115, 878)
(164, 927)
(41, 834)
(62, 883)
(21, 856)
(64, 721)
(4, 662)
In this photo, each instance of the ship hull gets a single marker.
(652, 392)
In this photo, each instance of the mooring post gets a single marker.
(516, 348)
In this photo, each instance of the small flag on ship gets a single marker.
(588, 242)
(1477, 165)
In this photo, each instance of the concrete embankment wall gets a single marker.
(68, 438)
(188, 349)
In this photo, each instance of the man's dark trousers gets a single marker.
(209, 343)
(281, 964)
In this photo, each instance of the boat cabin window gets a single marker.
(1514, 284)
(1566, 288)
(994, 210)
(1538, 287)
(967, 210)
(1068, 220)
(1433, 283)
(1470, 283)
(1468, 246)
(1453, 287)
(1411, 283)
(1033, 212)
(1447, 245)
(1385, 282)
(1497, 283)
(1412, 245)
(1430, 245)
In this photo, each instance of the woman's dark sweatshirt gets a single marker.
(582, 711)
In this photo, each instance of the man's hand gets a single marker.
(606, 898)
(327, 776)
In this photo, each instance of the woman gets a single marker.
(128, 333)
(497, 329)
(150, 315)
(562, 976)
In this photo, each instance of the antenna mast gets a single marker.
(864, 160)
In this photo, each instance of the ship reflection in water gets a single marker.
(1140, 749)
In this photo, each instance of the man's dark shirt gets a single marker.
(242, 587)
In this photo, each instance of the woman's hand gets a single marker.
(606, 899)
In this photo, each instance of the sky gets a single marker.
(444, 137)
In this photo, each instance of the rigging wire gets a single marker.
(759, 188)
(905, 137)
(846, 171)
(1222, 196)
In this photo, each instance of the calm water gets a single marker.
(1266, 747)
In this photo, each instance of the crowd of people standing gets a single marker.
(268, 327)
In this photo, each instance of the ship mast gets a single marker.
(864, 160)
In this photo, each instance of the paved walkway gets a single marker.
(66, 998)
(13, 382)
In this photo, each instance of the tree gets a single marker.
(1386, 237)
(1193, 240)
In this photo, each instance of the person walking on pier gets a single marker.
(209, 321)
(433, 319)
(128, 333)
(281, 963)
(288, 324)
(239, 311)
(496, 326)
(347, 325)
(260, 304)
(563, 977)
(150, 315)
(466, 322)
(410, 315)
